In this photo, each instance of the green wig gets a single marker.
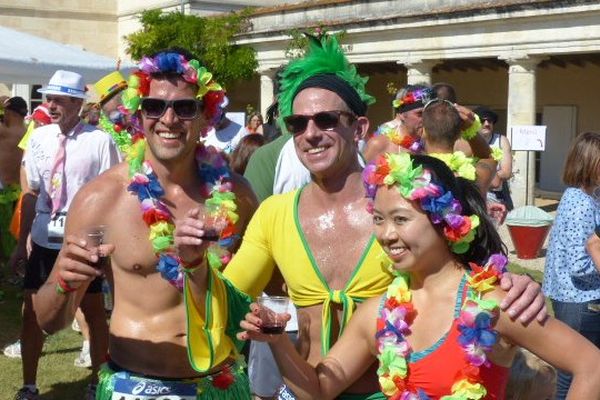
(324, 57)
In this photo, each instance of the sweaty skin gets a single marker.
(148, 323)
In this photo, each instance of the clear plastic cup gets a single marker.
(95, 237)
(271, 311)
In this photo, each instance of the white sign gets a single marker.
(528, 137)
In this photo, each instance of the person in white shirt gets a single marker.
(60, 159)
(226, 134)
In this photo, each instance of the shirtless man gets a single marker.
(148, 326)
(12, 129)
(320, 237)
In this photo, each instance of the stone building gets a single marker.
(532, 61)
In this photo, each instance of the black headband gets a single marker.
(338, 86)
(408, 107)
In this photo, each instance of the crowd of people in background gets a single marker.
(383, 235)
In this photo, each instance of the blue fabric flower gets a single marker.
(169, 62)
(437, 206)
(168, 266)
(482, 333)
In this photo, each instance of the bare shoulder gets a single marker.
(375, 146)
(104, 191)
(505, 142)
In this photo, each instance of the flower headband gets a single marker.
(415, 183)
(413, 96)
(209, 91)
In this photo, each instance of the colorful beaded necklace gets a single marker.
(220, 202)
(475, 324)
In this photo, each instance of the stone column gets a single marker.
(266, 90)
(419, 71)
(521, 111)
(23, 90)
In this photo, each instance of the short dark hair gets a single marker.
(485, 113)
(17, 104)
(583, 161)
(441, 123)
(445, 91)
(241, 155)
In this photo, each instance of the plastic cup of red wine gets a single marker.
(95, 238)
(271, 311)
(213, 226)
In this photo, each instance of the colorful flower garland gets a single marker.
(422, 95)
(220, 203)
(459, 163)
(393, 133)
(416, 184)
(209, 91)
(477, 335)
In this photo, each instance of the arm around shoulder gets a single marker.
(560, 346)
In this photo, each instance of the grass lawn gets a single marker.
(58, 379)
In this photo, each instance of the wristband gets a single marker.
(189, 268)
(472, 131)
(63, 287)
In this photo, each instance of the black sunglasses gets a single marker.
(183, 108)
(324, 120)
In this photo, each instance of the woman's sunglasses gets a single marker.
(183, 108)
(324, 120)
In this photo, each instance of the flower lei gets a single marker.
(477, 335)
(408, 142)
(191, 70)
(459, 163)
(416, 184)
(213, 171)
(422, 95)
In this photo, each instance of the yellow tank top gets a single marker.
(274, 237)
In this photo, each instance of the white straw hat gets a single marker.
(65, 83)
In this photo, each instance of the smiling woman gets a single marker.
(435, 330)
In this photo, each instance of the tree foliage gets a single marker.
(210, 38)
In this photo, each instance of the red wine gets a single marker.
(272, 330)
(211, 235)
(102, 262)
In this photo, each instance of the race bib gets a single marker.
(56, 228)
(129, 389)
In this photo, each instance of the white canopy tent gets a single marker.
(30, 59)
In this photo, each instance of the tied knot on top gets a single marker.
(336, 296)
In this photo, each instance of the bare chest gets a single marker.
(336, 239)
(130, 234)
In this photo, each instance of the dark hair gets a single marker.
(441, 123)
(444, 91)
(485, 113)
(487, 240)
(240, 156)
(582, 167)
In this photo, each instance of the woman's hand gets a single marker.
(253, 323)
